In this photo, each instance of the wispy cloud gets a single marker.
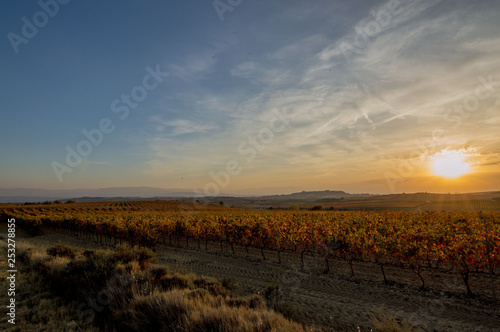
(180, 126)
(195, 67)
(352, 113)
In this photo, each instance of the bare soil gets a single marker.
(335, 301)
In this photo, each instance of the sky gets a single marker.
(235, 96)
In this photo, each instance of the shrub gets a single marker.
(123, 254)
(161, 312)
(272, 294)
(174, 281)
(215, 288)
(252, 302)
(24, 256)
(146, 298)
(61, 250)
(89, 254)
(157, 272)
(227, 282)
(143, 256)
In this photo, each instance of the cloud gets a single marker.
(180, 126)
(366, 111)
(304, 47)
(200, 64)
(196, 67)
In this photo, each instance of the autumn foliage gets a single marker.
(463, 242)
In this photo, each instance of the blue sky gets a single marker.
(276, 96)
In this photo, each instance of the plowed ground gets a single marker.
(335, 301)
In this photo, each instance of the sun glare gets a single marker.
(450, 164)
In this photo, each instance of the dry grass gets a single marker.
(132, 294)
(36, 307)
(385, 322)
(189, 310)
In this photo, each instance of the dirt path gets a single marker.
(334, 301)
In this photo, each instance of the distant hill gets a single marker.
(21, 195)
(315, 194)
(326, 199)
(38, 195)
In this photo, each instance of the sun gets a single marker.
(450, 164)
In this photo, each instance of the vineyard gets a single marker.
(470, 206)
(463, 243)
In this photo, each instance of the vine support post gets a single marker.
(465, 277)
(327, 269)
(417, 271)
(383, 272)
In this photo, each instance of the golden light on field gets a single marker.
(450, 164)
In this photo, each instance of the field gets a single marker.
(475, 202)
(338, 200)
(332, 269)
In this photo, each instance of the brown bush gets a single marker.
(145, 297)
(61, 250)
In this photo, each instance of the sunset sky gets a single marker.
(251, 96)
